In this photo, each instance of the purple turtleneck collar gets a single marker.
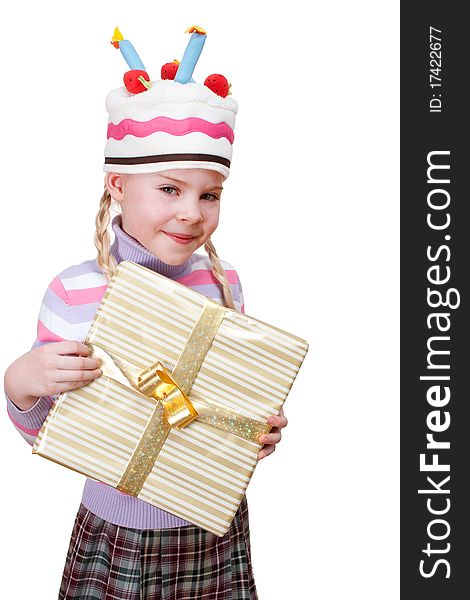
(126, 247)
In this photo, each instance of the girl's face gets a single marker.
(154, 206)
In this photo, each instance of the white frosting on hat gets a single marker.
(164, 91)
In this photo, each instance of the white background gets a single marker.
(309, 219)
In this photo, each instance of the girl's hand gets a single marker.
(271, 439)
(49, 370)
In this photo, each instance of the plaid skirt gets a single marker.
(109, 562)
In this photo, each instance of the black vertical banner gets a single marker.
(435, 269)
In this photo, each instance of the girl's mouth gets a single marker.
(179, 238)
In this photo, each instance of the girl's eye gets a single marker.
(168, 189)
(172, 191)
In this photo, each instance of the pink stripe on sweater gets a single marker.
(46, 335)
(78, 296)
(204, 276)
(168, 125)
(58, 289)
(86, 295)
(21, 428)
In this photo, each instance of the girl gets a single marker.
(168, 153)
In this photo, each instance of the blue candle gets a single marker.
(128, 51)
(131, 56)
(191, 55)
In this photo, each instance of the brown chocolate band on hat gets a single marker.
(139, 160)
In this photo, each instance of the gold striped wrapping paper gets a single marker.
(201, 473)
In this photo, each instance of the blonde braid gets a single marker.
(106, 261)
(220, 274)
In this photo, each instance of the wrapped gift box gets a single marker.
(167, 352)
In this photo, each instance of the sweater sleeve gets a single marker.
(54, 325)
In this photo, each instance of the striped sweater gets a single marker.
(66, 313)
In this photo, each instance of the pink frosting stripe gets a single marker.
(168, 125)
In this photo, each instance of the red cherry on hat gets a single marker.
(218, 84)
(169, 69)
(133, 83)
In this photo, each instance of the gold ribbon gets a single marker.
(173, 407)
(157, 383)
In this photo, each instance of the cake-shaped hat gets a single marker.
(171, 123)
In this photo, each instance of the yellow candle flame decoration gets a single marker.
(196, 28)
(117, 37)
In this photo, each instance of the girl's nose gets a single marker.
(189, 210)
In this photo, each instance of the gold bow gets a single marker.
(173, 408)
(156, 382)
